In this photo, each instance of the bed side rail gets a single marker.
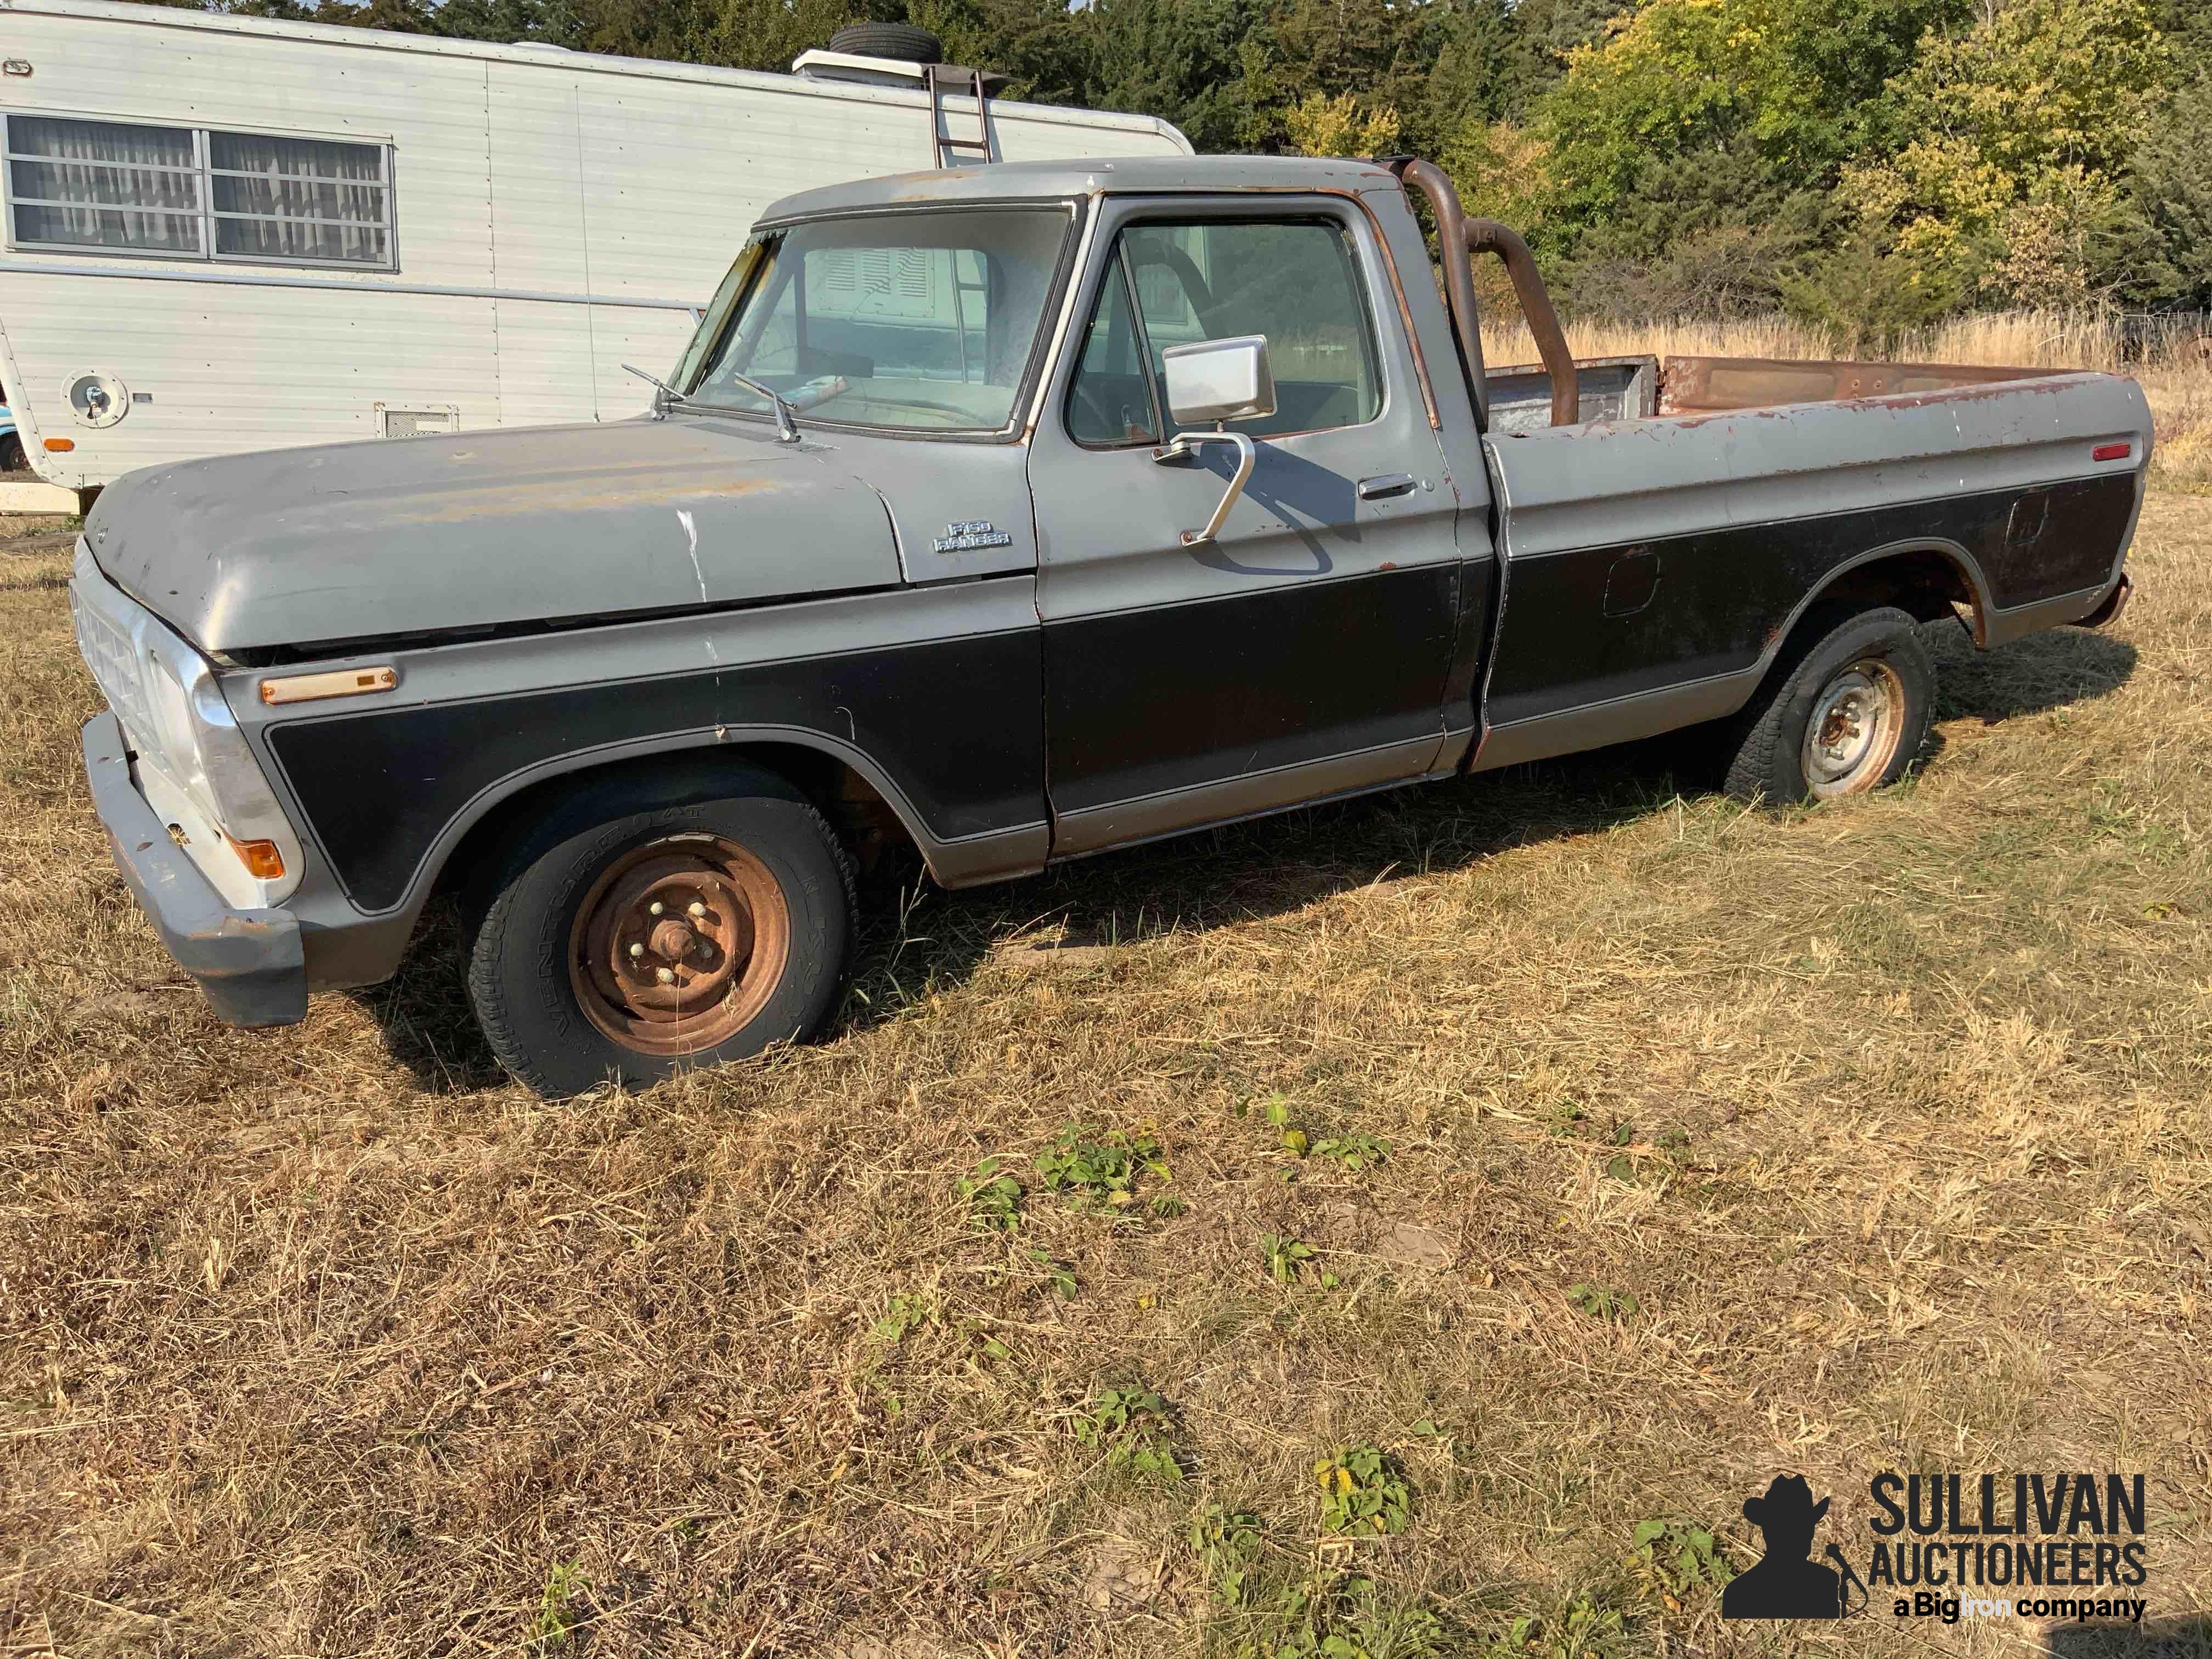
(1693, 385)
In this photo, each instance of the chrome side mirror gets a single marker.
(1227, 379)
(1219, 381)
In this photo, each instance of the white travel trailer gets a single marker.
(225, 233)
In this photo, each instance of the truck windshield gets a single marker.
(919, 321)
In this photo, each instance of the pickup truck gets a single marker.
(1017, 514)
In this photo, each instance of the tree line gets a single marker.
(1872, 166)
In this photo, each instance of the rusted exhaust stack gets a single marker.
(1488, 236)
(1455, 230)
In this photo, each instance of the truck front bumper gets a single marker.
(248, 962)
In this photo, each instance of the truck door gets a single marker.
(1302, 651)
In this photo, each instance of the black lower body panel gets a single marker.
(957, 723)
(1600, 623)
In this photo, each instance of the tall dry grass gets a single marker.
(1891, 1117)
(2174, 370)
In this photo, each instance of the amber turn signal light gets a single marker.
(261, 858)
(61, 446)
(339, 683)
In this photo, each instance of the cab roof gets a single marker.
(1002, 181)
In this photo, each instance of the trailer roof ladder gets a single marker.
(950, 147)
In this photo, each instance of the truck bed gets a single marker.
(1658, 554)
(1646, 388)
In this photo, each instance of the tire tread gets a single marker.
(491, 916)
(1755, 740)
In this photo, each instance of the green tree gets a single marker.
(1478, 70)
(1342, 125)
(2010, 182)
(1773, 94)
(1372, 49)
(1176, 60)
(2172, 187)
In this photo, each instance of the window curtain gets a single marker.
(70, 179)
(120, 186)
(297, 198)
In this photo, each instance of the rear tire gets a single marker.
(12, 458)
(626, 945)
(1845, 710)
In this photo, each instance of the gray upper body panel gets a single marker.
(474, 530)
(1614, 482)
(1047, 180)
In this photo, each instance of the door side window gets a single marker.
(1110, 402)
(1296, 283)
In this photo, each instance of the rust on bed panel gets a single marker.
(1694, 385)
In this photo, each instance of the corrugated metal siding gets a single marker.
(537, 172)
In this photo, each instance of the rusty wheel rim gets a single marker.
(1857, 720)
(678, 945)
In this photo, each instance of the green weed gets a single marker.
(1584, 1629)
(993, 1197)
(1226, 1543)
(1671, 1558)
(556, 1622)
(1599, 1302)
(1284, 1256)
(1363, 1491)
(1134, 1427)
(1353, 1151)
(1101, 1169)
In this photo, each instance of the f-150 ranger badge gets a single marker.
(968, 533)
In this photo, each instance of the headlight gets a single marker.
(175, 732)
(206, 756)
(194, 764)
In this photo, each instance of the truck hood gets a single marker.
(412, 536)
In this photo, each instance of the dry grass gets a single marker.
(2176, 375)
(1891, 1117)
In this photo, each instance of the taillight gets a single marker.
(2111, 452)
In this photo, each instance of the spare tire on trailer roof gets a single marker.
(901, 41)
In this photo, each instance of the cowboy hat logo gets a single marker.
(1786, 1584)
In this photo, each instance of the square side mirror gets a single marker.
(1219, 381)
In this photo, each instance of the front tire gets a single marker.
(626, 945)
(1844, 711)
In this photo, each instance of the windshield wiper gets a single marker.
(787, 428)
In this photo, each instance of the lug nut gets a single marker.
(636, 951)
(654, 908)
(666, 975)
(698, 909)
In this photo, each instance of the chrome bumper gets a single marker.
(249, 962)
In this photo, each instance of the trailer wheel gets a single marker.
(12, 458)
(626, 945)
(902, 42)
(1844, 710)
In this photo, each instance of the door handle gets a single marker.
(1385, 484)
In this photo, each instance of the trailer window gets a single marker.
(198, 193)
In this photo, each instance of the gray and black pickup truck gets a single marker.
(1018, 514)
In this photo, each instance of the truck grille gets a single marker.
(110, 654)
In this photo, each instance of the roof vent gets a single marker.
(874, 54)
(902, 41)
